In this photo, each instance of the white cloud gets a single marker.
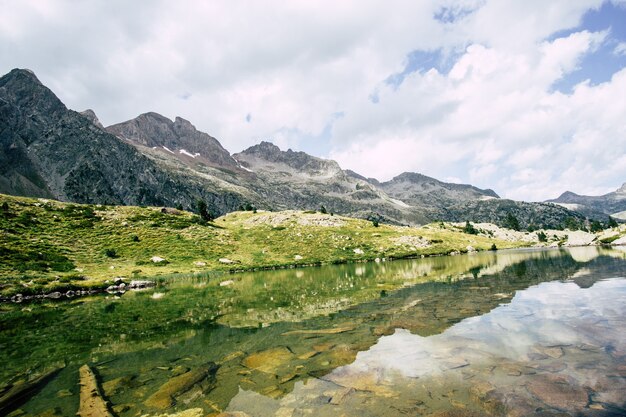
(620, 49)
(294, 66)
(501, 122)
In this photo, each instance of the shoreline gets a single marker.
(119, 286)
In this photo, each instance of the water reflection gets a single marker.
(319, 338)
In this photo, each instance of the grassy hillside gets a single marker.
(47, 245)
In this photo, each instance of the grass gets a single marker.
(47, 244)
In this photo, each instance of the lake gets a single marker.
(511, 333)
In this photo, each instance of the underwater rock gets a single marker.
(22, 390)
(179, 370)
(113, 386)
(551, 351)
(332, 330)
(270, 360)
(192, 412)
(166, 395)
(558, 391)
(341, 394)
(369, 381)
(92, 404)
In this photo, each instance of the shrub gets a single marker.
(470, 229)
(323, 209)
(375, 222)
(511, 222)
(493, 247)
(542, 236)
(611, 223)
(596, 226)
(110, 253)
(135, 238)
(203, 211)
(609, 240)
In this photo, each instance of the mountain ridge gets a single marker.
(51, 151)
(610, 204)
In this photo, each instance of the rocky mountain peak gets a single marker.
(179, 137)
(23, 73)
(91, 116)
(413, 177)
(622, 189)
(566, 197)
(265, 150)
(183, 124)
(270, 156)
(22, 87)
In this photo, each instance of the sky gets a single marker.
(525, 97)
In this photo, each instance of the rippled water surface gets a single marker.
(511, 333)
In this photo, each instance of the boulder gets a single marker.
(558, 392)
(270, 360)
(165, 396)
(92, 404)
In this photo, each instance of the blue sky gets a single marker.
(598, 66)
(525, 98)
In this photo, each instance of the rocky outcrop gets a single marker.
(91, 116)
(613, 203)
(268, 156)
(179, 137)
(47, 150)
(418, 189)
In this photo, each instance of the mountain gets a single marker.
(155, 131)
(47, 150)
(414, 188)
(91, 116)
(611, 204)
(288, 179)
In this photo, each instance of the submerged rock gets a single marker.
(166, 395)
(192, 412)
(22, 390)
(270, 360)
(92, 404)
(558, 392)
(332, 330)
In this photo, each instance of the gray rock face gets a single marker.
(416, 188)
(268, 156)
(91, 116)
(296, 180)
(47, 150)
(180, 137)
(539, 215)
(612, 203)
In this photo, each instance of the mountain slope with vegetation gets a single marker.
(48, 245)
